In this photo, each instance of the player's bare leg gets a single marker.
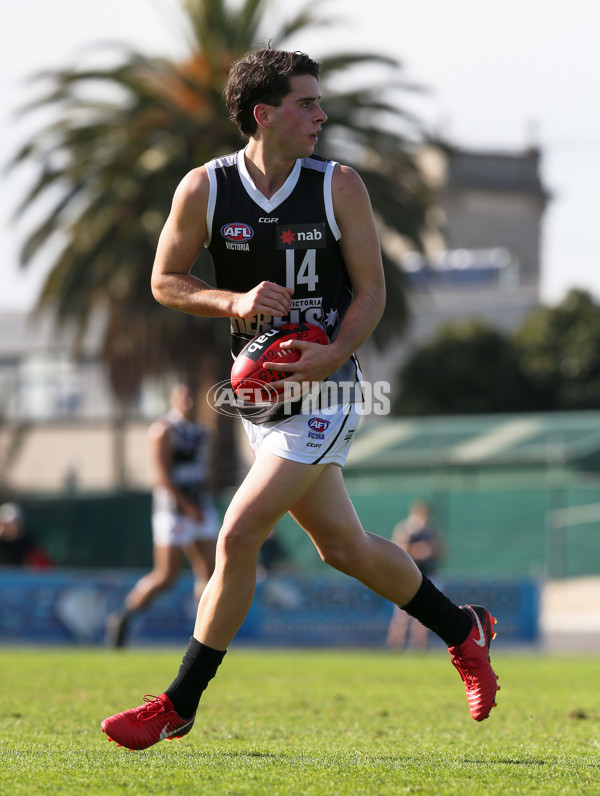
(418, 635)
(326, 513)
(328, 516)
(167, 563)
(271, 486)
(398, 629)
(201, 555)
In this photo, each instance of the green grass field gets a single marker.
(305, 722)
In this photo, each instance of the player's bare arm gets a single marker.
(180, 243)
(362, 255)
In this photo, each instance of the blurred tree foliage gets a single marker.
(466, 368)
(551, 363)
(559, 352)
(120, 138)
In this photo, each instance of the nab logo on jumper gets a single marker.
(301, 236)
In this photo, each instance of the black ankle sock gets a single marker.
(434, 610)
(198, 667)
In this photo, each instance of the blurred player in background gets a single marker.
(292, 238)
(184, 519)
(421, 539)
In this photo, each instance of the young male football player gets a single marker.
(292, 238)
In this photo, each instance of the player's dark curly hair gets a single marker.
(263, 76)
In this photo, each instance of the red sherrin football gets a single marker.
(248, 371)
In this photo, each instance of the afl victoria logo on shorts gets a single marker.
(317, 426)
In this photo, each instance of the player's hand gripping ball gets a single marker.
(249, 375)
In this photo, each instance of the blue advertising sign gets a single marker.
(70, 607)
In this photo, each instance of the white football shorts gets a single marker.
(315, 438)
(170, 529)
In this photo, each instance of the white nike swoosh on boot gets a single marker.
(481, 640)
(164, 734)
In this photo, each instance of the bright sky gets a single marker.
(499, 76)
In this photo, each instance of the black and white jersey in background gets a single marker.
(190, 448)
(290, 239)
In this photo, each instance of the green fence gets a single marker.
(108, 530)
(499, 525)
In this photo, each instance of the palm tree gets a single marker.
(110, 162)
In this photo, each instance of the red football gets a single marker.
(248, 374)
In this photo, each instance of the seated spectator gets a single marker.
(17, 548)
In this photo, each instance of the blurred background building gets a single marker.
(58, 417)
(483, 256)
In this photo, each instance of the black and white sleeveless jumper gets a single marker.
(290, 239)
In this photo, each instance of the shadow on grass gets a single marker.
(258, 754)
(516, 761)
(505, 761)
(356, 758)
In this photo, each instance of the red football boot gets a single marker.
(141, 727)
(472, 659)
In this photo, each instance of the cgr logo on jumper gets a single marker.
(237, 236)
(301, 236)
(317, 428)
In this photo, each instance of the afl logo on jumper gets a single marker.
(301, 236)
(237, 235)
